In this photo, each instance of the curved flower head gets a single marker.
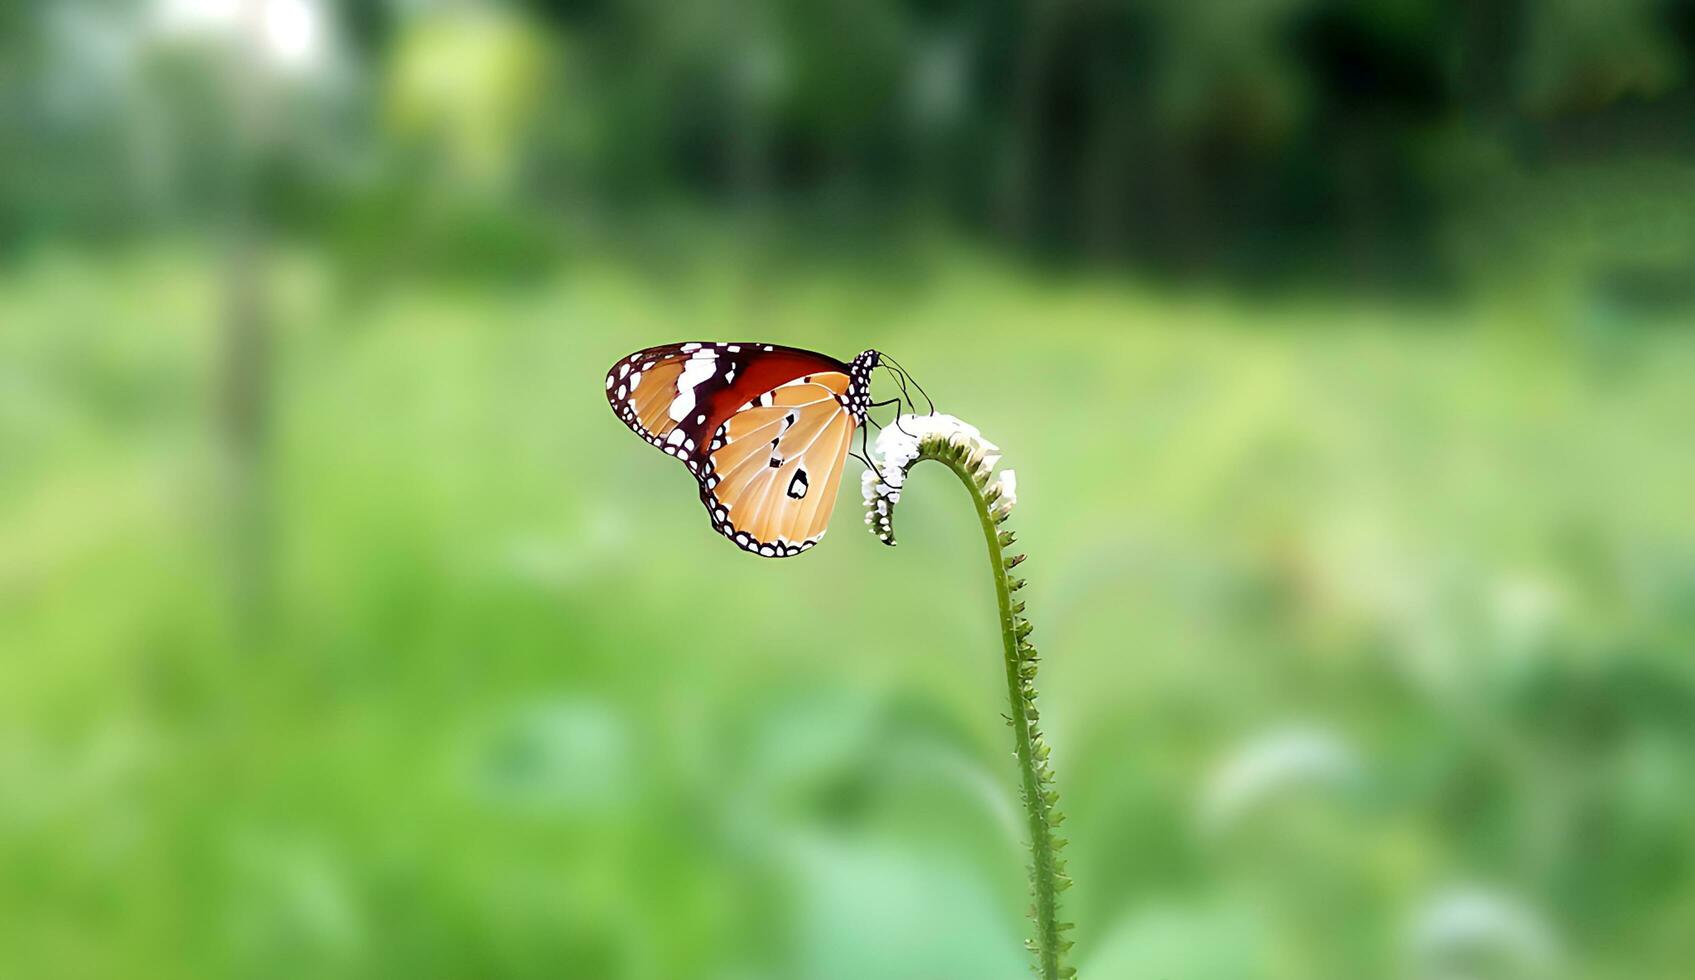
(911, 438)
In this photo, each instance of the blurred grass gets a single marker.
(518, 712)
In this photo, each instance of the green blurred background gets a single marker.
(1343, 350)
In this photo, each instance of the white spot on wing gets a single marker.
(696, 371)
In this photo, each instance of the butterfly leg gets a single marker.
(887, 401)
(864, 454)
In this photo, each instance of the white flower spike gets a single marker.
(902, 442)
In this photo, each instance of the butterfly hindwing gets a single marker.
(774, 468)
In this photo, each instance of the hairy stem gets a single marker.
(1047, 877)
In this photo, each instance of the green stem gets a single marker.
(1047, 876)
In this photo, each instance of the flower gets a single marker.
(1466, 923)
(1269, 765)
(913, 437)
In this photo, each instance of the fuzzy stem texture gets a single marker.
(992, 500)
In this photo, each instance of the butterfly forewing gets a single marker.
(650, 404)
(656, 392)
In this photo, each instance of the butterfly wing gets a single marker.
(765, 430)
(774, 467)
(656, 393)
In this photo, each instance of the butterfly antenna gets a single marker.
(906, 394)
(914, 381)
(904, 400)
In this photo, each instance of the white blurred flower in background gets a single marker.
(1265, 767)
(1469, 931)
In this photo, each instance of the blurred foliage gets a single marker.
(1367, 637)
(1271, 141)
(1342, 350)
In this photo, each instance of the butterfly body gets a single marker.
(764, 429)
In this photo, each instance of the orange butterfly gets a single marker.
(764, 429)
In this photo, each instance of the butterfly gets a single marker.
(764, 429)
